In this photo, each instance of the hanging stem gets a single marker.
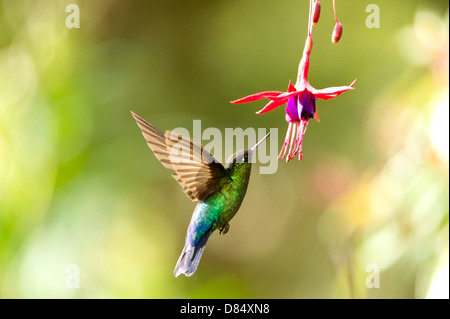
(334, 9)
(303, 67)
(310, 24)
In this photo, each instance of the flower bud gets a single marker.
(316, 12)
(337, 33)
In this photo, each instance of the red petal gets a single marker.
(316, 116)
(258, 96)
(331, 92)
(285, 96)
(291, 88)
(271, 106)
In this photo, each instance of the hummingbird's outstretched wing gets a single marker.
(196, 170)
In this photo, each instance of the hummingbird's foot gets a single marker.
(223, 230)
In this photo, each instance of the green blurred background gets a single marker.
(78, 184)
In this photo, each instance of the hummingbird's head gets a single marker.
(240, 157)
(245, 156)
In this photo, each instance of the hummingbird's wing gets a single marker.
(196, 170)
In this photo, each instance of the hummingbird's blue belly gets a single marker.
(204, 219)
(216, 212)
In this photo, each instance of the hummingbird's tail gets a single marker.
(190, 257)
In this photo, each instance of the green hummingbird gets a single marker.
(219, 190)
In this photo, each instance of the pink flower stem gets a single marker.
(310, 24)
(303, 68)
(334, 9)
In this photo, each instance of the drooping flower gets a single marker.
(300, 98)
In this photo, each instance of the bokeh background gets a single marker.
(78, 184)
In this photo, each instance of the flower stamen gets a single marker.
(286, 142)
(298, 140)
(290, 156)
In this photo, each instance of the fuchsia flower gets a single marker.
(301, 97)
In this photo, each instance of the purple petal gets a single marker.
(292, 113)
(306, 105)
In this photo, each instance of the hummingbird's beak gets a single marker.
(253, 149)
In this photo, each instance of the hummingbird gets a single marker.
(218, 189)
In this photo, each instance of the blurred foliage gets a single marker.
(79, 186)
